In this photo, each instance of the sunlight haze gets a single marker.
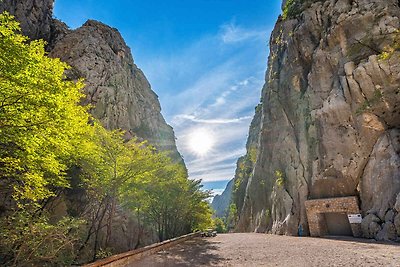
(206, 60)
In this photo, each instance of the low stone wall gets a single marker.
(124, 259)
(316, 209)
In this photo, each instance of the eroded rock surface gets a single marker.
(115, 86)
(120, 95)
(330, 117)
(35, 16)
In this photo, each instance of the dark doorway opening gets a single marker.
(338, 224)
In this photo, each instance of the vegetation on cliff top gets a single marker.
(50, 144)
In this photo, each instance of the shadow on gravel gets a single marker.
(196, 252)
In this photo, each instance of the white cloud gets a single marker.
(212, 84)
(231, 33)
(206, 168)
(216, 175)
(216, 158)
(211, 121)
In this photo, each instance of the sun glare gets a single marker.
(201, 141)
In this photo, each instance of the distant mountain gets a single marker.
(221, 202)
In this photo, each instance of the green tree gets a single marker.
(42, 131)
(44, 135)
(220, 226)
(173, 204)
(41, 123)
(112, 167)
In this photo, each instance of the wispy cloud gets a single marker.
(211, 121)
(215, 175)
(232, 33)
(213, 84)
(216, 159)
(205, 168)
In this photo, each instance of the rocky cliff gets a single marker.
(330, 123)
(117, 89)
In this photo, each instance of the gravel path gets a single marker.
(272, 250)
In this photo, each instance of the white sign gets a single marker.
(354, 218)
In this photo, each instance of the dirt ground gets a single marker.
(272, 250)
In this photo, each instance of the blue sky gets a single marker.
(205, 59)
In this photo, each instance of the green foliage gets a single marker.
(103, 253)
(292, 9)
(258, 108)
(33, 241)
(44, 132)
(368, 104)
(219, 225)
(252, 154)
(280, 179)
(232, 214)
(169, 201)
(245, 167)
(391, 49)
(41, 123)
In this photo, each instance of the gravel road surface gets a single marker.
(244, 249)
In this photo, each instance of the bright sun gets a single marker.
(201, 141)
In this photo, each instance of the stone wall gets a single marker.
(316, 209)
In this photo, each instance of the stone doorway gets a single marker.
(338, 224)
(328, 216)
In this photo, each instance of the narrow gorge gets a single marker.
(89, 167)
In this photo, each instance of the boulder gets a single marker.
(397, 204)
(397, 223)
(388, 233)
(389, 216)
(370, 226)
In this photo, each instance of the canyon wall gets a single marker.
(117, 89)
(120, 96)
(330, 124)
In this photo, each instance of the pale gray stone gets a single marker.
(330, 114)
(388, 232)
(389, 216)
(397, 223)
(397, 204)
(370, 226)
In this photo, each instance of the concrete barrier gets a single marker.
(124, 259)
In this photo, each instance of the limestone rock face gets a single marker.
(115, 86)
(330, 116)
(35, 16)
(117, 89)
(243, 176)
